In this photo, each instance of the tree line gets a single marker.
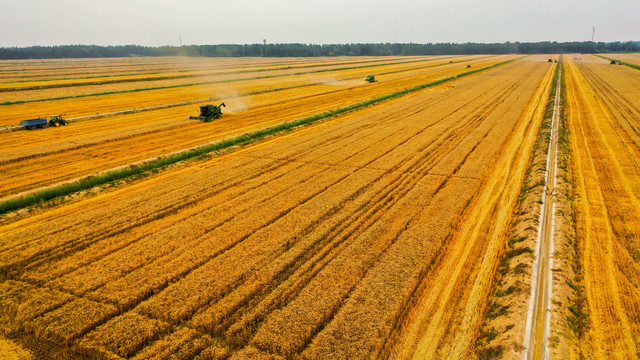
(308, 50)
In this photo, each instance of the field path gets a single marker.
(538, 318)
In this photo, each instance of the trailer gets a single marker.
(54, 121)
(34, 123)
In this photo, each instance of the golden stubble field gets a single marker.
(603, 113)
(375, 234)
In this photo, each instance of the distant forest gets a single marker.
(280, 50)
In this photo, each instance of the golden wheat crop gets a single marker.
(352, 238)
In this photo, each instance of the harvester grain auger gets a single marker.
(209, 112)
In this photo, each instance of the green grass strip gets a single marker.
(207, 83)
(112, 176)
(633, 66)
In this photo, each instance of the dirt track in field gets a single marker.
(372, 235)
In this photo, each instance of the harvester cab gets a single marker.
(209, 112)
(371, 79)
(57, 120)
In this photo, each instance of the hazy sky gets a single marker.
(161, 22)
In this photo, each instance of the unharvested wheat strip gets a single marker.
(214, 352)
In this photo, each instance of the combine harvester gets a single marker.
(371, 79)
(55, 121)
(209, 112)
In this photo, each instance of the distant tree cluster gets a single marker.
(282, 50)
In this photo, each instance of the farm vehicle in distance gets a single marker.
(54, 120)
(209, 112)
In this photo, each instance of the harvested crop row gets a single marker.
(606, 155)
(115, 143)
(319, 221)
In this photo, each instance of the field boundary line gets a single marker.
(37, 196)
(538, 323)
